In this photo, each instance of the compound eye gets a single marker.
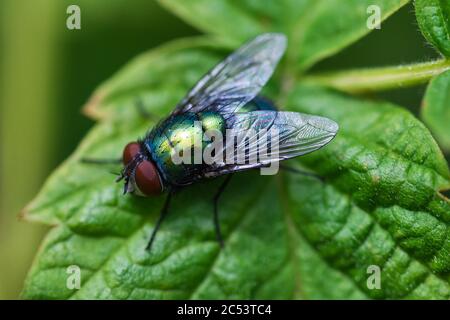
(130, 151)
(147, 178)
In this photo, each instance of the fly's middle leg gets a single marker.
(162, 215)
(216, 208)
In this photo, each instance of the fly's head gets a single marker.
(139, 173)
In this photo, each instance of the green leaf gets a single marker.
(433, 17)
(381, 204)
(286, 236)
(316, 28)
(436, 108)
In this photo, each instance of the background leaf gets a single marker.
(186, 60)
(436, 108)
(379, 205)
(316, 29)
(433, 17)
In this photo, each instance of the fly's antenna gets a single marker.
(130, 165)
(125, 185)
(128, 171)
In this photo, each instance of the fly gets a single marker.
(225, 99)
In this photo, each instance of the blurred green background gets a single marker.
(47, 72)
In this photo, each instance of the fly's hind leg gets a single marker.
(216, 209)
(301, 172)
(162, 215)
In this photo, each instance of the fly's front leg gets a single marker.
(216, 209)
(162, 215)
(100, 161)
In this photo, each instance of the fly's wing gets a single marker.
(237, 79)
(263, 137)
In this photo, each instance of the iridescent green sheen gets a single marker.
(212, 121)
(181, 133)
(177, 133)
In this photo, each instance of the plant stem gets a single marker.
(379, 79)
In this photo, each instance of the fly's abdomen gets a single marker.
(258, 103)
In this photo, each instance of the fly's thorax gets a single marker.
(212, 121)
(183, 136)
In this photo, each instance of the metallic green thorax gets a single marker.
(180, 132)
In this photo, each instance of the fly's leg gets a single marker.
(144, 113)
(100, 161)
(162, 215)
(304, 173)
(216, 209)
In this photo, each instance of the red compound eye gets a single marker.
(130, 151)
(147, 178)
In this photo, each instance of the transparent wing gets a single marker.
(237, 79)
(263, 137)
